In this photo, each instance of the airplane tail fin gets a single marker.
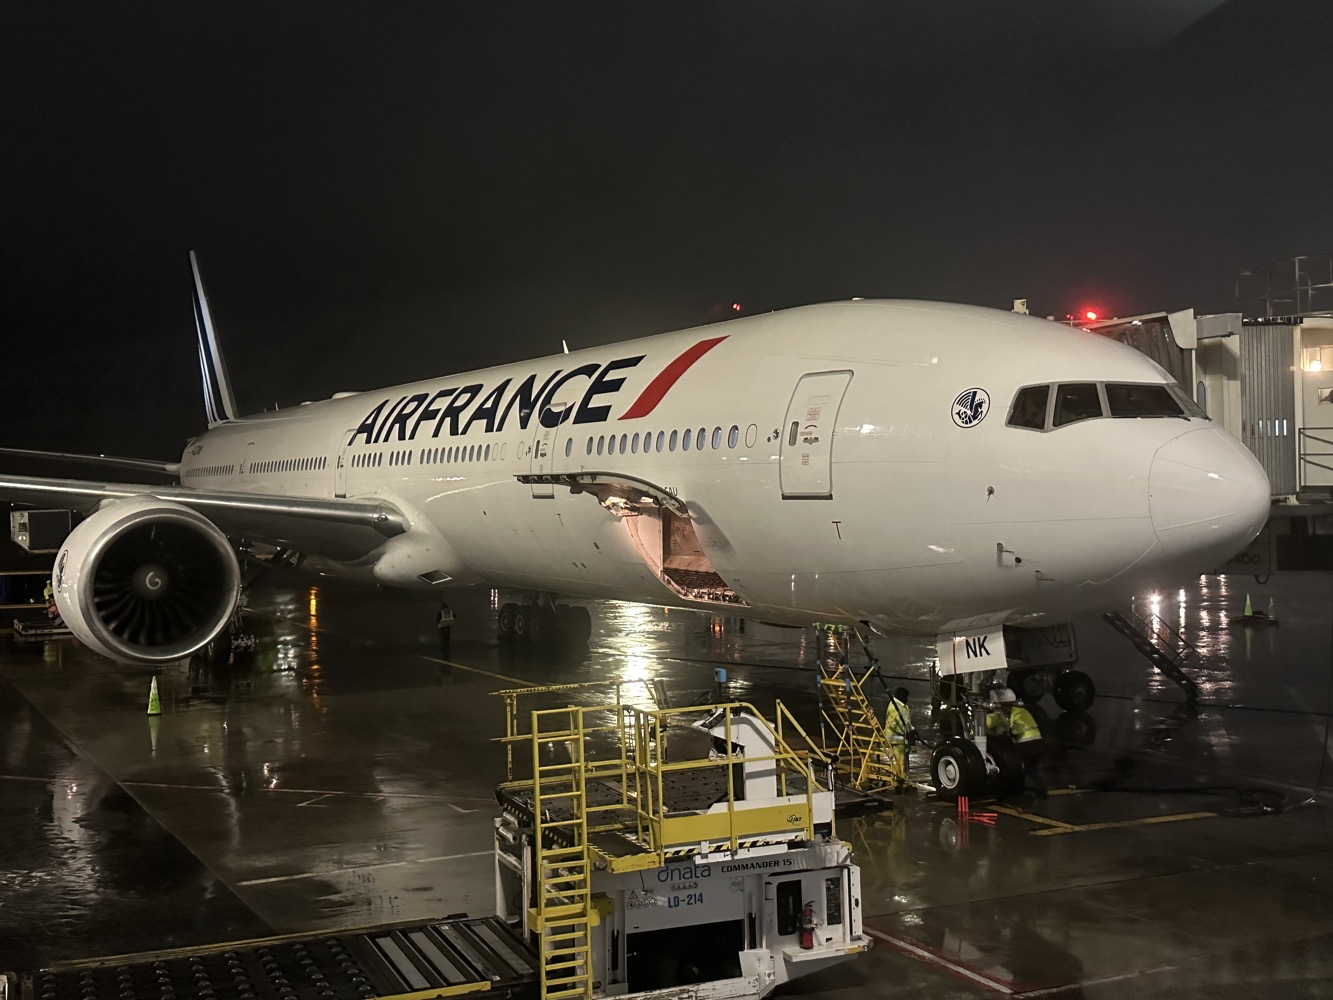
(219, 403)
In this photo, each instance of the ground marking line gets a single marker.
(926, 955)
(1119, 824)
(1017, 813)
(1048, 991)
(362, 868)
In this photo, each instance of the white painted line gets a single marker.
(925, 955)
(1050, 991)
(363, 868)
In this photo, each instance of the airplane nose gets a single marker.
(1208, 497)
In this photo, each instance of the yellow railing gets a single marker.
(639, 765)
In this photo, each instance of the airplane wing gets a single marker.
(141, 465)
(342, 529)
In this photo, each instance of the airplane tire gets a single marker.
(1074, 691)
(217, 650)
(504, 620)
(523, 614)
(1009, 761)
(958, 768)
(575, 622)
(1031, 685)
(543, 627)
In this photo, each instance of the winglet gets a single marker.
(219, 403)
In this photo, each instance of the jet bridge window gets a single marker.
(1029, 409)
(1076, 401)
(1129, 400)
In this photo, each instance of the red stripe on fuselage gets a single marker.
(667, 377)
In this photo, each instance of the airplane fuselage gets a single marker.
(845, 462)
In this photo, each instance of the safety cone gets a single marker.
(1248, 609)
(154, 706)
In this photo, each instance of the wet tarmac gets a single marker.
(343, 776)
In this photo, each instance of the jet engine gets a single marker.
(145, 580)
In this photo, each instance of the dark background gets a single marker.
(387, 191)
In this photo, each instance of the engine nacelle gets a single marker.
(145, 580)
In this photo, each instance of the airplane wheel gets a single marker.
(523, 615)
(1031, 685)
(543, 628)
(217, 650)
(575, 622)
(1009, 761)
(1074, 691)
(504, 621)
(958, 769)
(1076, 728)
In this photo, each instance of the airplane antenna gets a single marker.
(564, 345)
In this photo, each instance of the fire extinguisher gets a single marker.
(807, 932)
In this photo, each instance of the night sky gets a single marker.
(386, 191)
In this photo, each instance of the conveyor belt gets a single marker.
(444, 958)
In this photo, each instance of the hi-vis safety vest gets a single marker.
(897, 721)
(1022, 726)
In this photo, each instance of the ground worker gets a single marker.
(1026, 735)
(898, 726)
(50, 596)
(444, 621)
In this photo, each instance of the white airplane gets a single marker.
(914, 467)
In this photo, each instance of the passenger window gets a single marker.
(589, 444)
(600, 442)
(1029, 409)
(1141, 401)
(661, 435)
(791, 434)
(673, 441)
(699, 439)
(717, 438)
(1076, 401)
(624, 442)
(569, 447)
(685, 440)
(634, 444)
(733, 436)
(611, 445)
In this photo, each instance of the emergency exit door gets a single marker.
(340, 465)
(805, 462)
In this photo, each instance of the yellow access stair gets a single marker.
(865, 759)
(562, 916)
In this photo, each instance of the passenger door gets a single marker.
(805, 463)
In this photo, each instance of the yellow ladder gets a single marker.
(865, 756)
(562, 917)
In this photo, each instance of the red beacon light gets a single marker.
(1090, 315)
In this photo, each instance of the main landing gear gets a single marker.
(543, 623)
(1073, 689)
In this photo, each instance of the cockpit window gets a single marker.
(1190, 407)
(1076, 401)
(1127, 400)
(1029, 409)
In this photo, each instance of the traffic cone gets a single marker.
(154, 706)
(1248, 609)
